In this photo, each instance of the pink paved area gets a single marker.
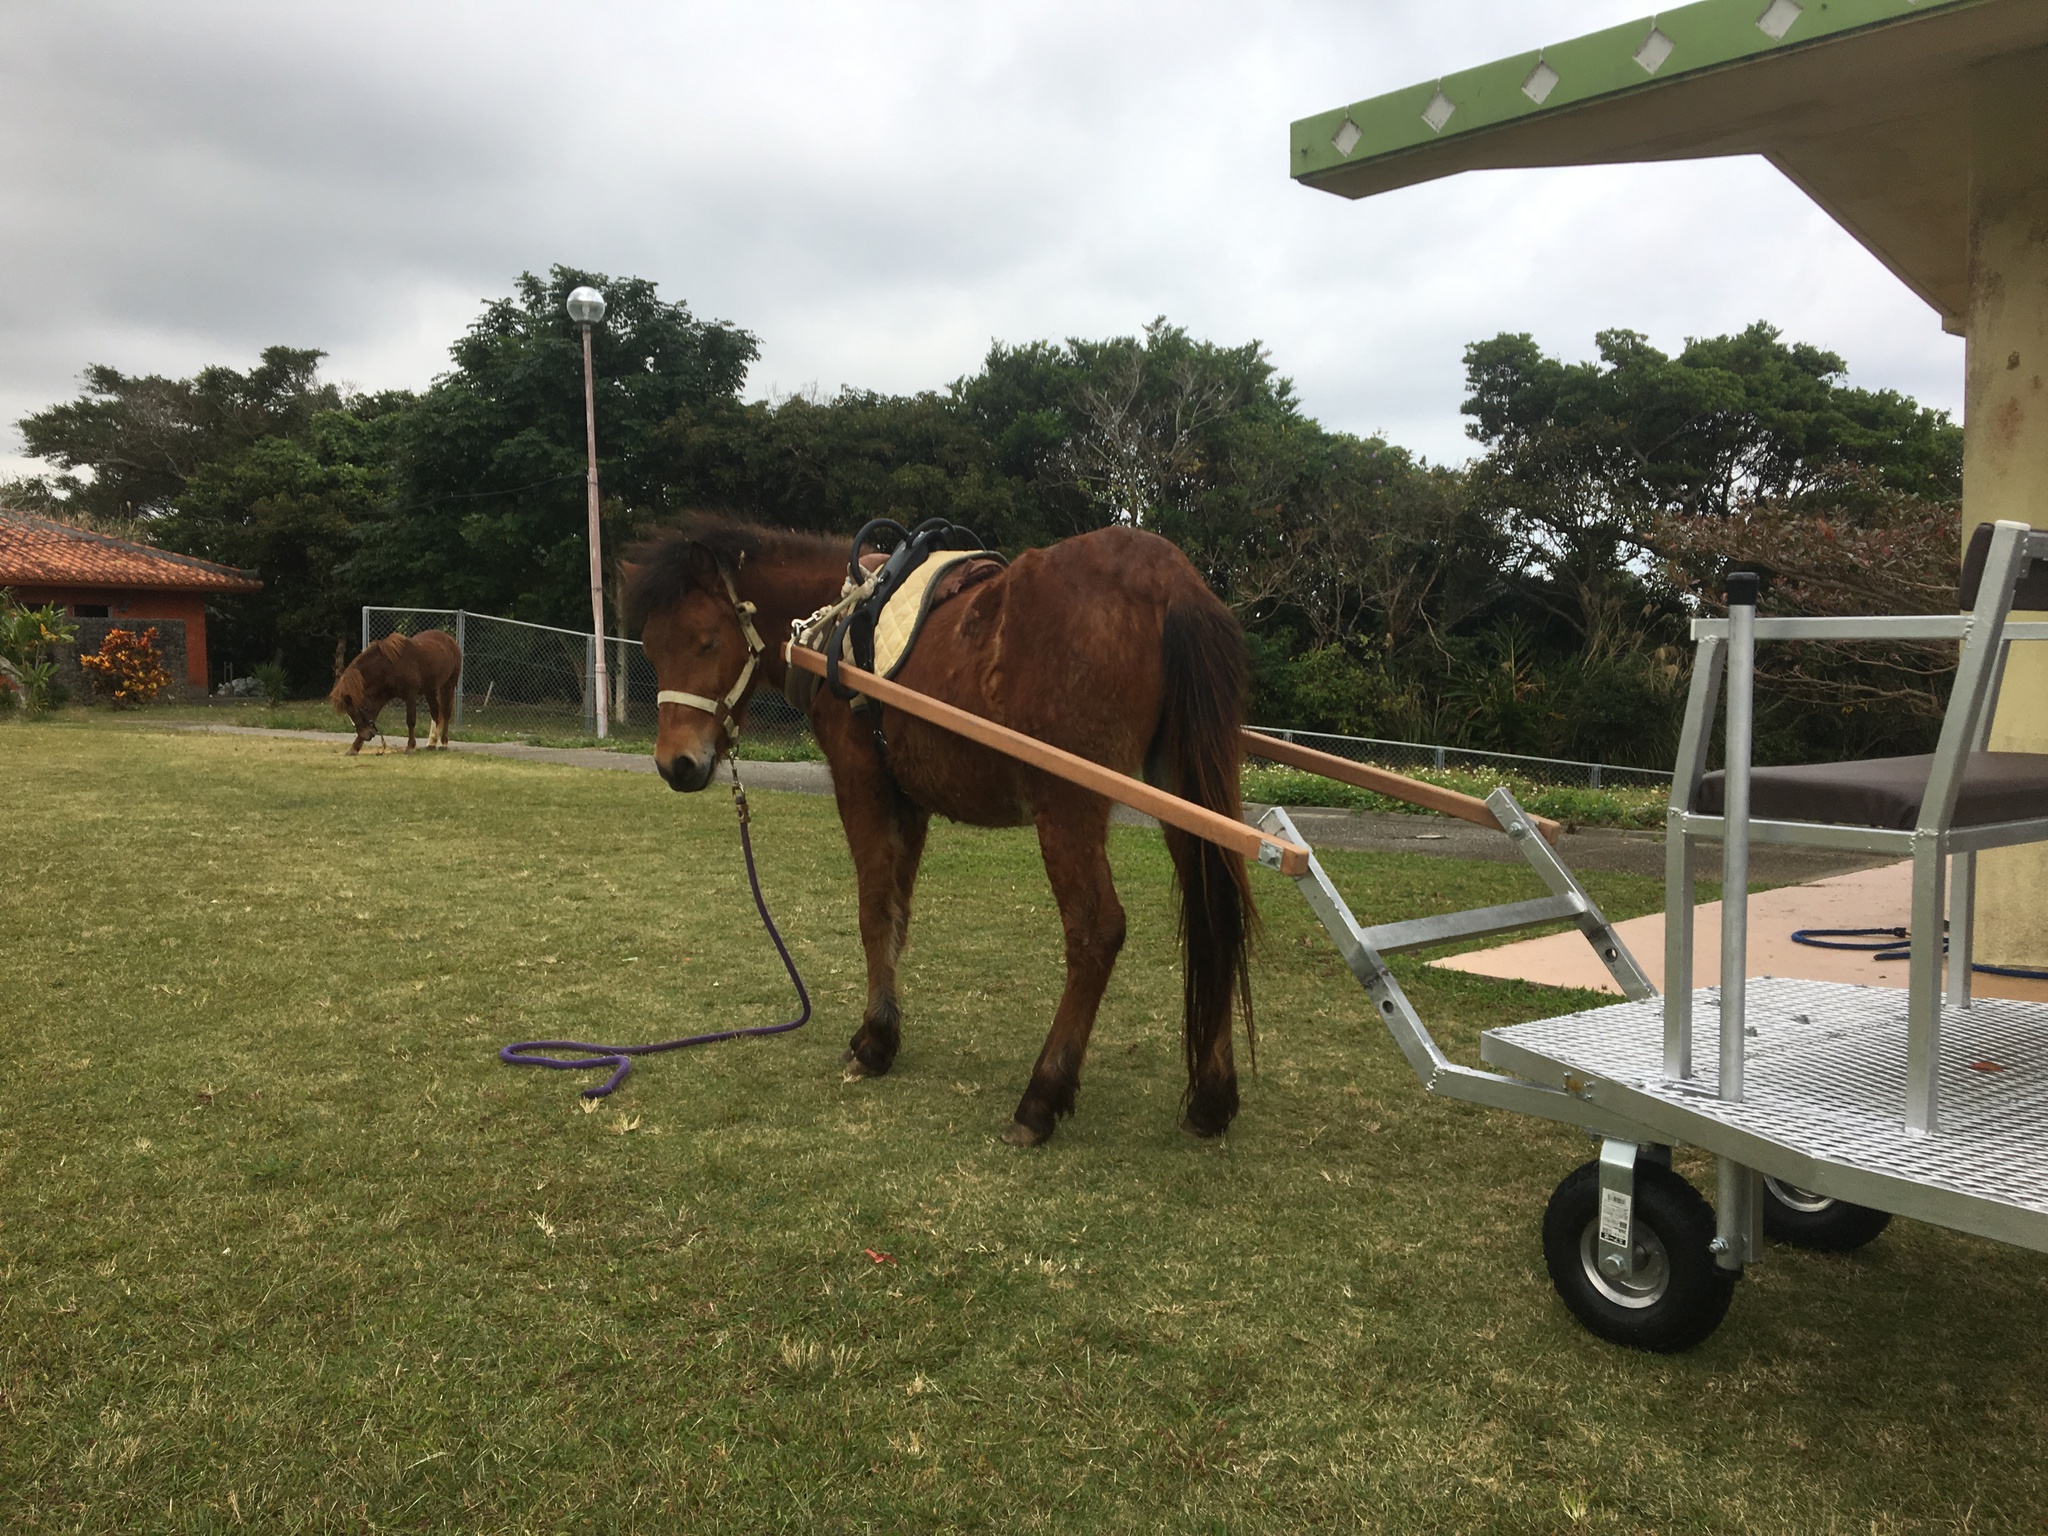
(1869, 898)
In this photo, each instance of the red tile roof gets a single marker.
(35, 551)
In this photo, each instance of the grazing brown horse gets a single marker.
(404, 667)
(1108, 645)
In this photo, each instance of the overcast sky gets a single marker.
(876, 190)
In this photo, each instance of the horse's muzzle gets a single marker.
(687, 775)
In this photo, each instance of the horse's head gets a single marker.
(683, 596)
(347, 695)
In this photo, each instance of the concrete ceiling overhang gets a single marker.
(1864, 104)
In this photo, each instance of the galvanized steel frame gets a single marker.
(1363, 950)
(1986, 637)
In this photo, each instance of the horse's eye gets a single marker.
(708, 646)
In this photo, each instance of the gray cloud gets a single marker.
(877, 191)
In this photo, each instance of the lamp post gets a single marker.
(586, 308)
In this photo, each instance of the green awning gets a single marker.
(1863, 103)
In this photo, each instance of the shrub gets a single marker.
(276, 685)
(1333, 688)
(127, 669)
(26, 635)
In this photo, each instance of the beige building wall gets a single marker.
(2005, 440)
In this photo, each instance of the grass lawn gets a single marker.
(283, 1245)
(1635, 805)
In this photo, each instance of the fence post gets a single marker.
(1596, 776)
(590, 685)
(1438, 753)
(462, 667)
(366, 628)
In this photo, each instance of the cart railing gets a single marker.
(1726, 651)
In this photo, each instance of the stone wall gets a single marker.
(170, 646)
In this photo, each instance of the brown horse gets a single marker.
(404, 667)
(1108, 645)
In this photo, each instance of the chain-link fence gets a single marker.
(519, 677)
(1407, 756)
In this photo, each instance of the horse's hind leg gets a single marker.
(412, 722)
(446, 714)
(1073, 828)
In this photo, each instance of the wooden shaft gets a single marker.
(1138, 795)
(1393, 785)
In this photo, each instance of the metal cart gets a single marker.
(1828, 1107)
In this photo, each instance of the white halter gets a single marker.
(721, 710)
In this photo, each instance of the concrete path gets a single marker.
(1870, 898)
(1604, 848)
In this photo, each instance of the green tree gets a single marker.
(830, 465)
(126, 447)
(488, 463)
(1729, 419)
(290, 509)
(1584, 458)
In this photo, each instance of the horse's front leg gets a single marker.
(888, 840)
(1073, 831)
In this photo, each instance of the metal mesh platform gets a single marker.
(1825, 1096)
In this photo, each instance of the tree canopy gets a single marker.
(487, 465)
(140, 439)
(1530, 600)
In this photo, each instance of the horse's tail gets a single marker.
(1197, 754)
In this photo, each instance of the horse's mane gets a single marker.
(671, 562)
(349, 688)
(347, 692)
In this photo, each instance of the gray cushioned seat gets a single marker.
(1886, 791)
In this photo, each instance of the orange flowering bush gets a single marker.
(127, 670)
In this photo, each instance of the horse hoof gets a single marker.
(867, 1065)
(853, 1068)
(1021, 1135)
(1203, 1132)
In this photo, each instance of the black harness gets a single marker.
(856, 630)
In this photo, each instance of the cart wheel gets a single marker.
(1806, 1220)
(1676, 1297)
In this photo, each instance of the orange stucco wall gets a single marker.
(141, 604)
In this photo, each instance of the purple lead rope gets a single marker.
(620, 1057)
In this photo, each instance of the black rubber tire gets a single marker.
(1691, 1298)
(1826, 1226)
